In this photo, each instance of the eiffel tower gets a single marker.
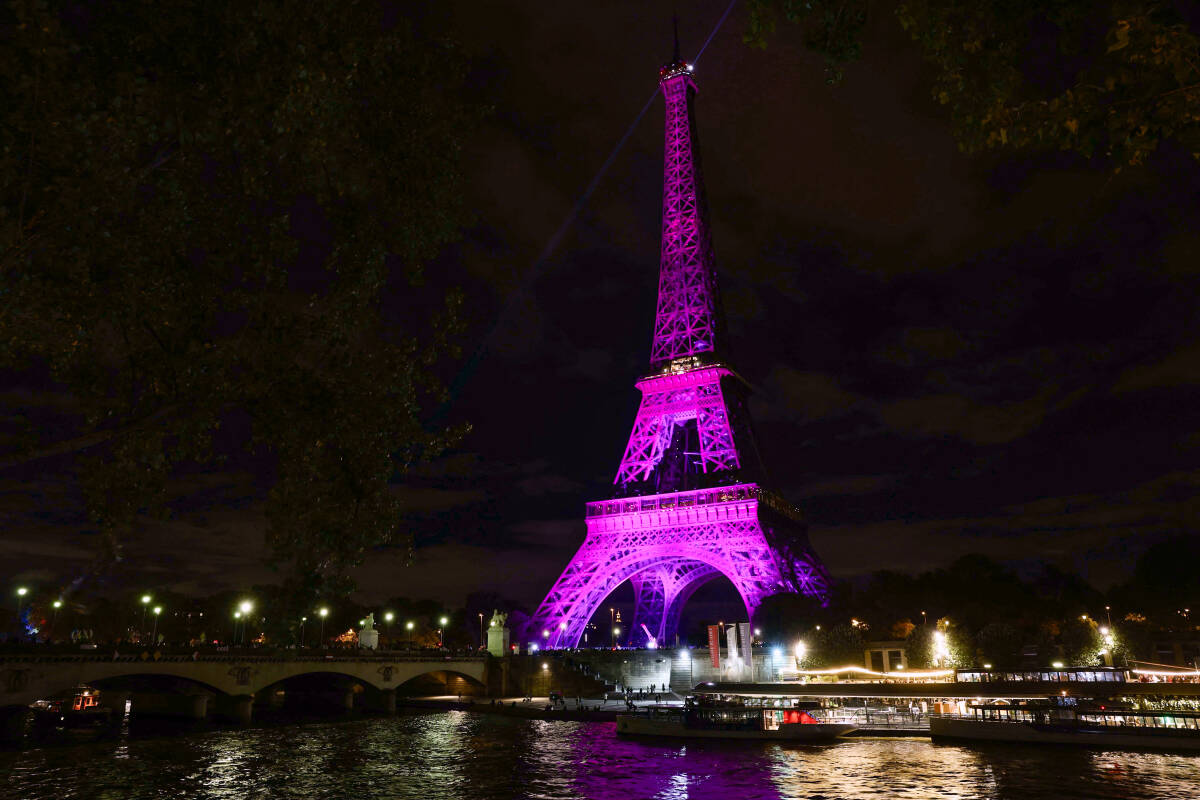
(689, 503)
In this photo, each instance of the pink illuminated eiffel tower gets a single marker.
(688, 504)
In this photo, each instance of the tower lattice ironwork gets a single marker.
(689, 505)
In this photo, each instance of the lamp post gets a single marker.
(1108, 613)
(237, 616)
(145, 604)
(616, 633)
(245, 607)
(21, 592)
(154, 635)
(57, 606)
(387, 625)
(612, 620)
(302, 621)
(482, 643)
(323, 613)
(442, 631)
(409, 627)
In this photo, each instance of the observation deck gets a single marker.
(739, 493)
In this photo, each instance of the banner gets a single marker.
(747, 648)
(731, 655)
(714, 645)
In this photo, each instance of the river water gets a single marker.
(480, 756)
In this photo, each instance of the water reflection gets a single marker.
(457, 755)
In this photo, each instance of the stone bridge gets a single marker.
(229, 684)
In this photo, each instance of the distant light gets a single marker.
(533, 647)
(545, 633)
(145, 597)
(324, 612)
(408, 625)
(987, 666)
(562, 626)
(304, 619)
(1056, 664)
(616, 631)
(237, 615)
(58, 603)
(777, 653)
(690, 68)
(157, 609)
(545, 665)
(443, 622)
(388, 617)
(1103, 631)
(758, 632)
(652, 645)
(801, 649)
(246, 606)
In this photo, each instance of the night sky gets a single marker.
(951, 354)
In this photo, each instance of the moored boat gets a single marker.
(732, 722)
(82, 709)
(1068, 721)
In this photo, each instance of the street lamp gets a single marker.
(21, 591)
(302, 621)
(323, 613)
(442, 631)
(237, 616)
(409, 626)
(482, 643)
(616, 633)
(612, 620)
(154, 635)
(57, 606)
(145, 603)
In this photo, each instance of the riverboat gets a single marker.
(1066, 720)
(732, 722)
(82, 709)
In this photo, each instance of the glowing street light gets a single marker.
(154, 635)
(482, 643)
(323, 612)
(409, 627)
(21, 592)
(57, 605)
(801, 651)
(237, 616)
(302, 621)
(145, 604)
(442, 623)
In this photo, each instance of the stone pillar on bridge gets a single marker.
(238, 708)
(166, 704)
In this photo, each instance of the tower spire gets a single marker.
(675, 24)
(687, 323)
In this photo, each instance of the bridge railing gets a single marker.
(142, 658)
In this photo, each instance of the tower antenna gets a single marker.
(675, 25)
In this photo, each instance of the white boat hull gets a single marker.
(995, 731)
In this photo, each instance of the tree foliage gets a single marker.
(1114, 79)
(202, 204)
